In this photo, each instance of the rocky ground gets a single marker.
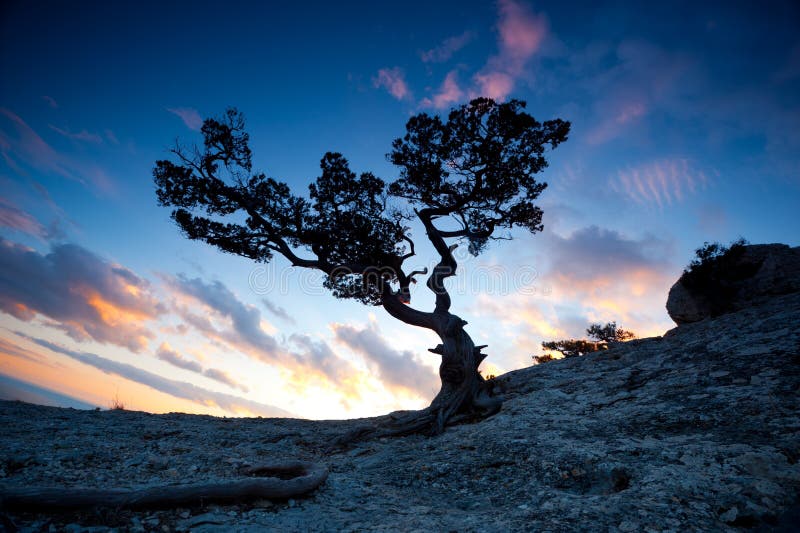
(696, 430)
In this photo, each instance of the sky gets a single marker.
(685, 129)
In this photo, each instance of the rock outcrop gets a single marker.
(698, 430)
(758, 273)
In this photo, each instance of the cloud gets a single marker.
(245, 319)
(445, 51)
(316, 355)
(9, 348)
(607, 275)
(615, 125)
(278, 311)
(593, 252)
(21, 146)
(111, 136)
(223, 377)
(82, 135)
(393, 80)
(179, 389)
(189, 116)
(50, 101)
(310, 358)
(521, 34)
(166, 353)
(14, 218)
(449, 93)
(659, 182)
(82, 294)
(590, 275)
(395, 368)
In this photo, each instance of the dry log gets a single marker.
(274, 481)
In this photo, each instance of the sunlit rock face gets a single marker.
(759, 273)
(698, 430)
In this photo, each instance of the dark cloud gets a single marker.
(309, 357)
(165, 353)
(592, 252)
(317, 355)
(174, 358)
(394, 368)
(222, 377)
(83, 294)
(278, 311)
(246, 319)
(179, 389)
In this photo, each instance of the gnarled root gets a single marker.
(278, 481)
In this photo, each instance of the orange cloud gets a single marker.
(79, 293)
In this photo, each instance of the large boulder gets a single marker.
(749, 277)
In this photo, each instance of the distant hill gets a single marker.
(18, 390)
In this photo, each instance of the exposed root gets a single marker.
(276, 481)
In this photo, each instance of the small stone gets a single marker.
(628, 525)
(719, 374)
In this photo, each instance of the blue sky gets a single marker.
(686, 120)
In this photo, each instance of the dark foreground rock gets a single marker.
(749, 278)
(698, 430)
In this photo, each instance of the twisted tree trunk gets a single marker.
(464, 392)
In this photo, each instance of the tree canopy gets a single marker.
(478, 167)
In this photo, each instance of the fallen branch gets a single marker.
(276, 481)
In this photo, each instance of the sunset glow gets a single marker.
(685, 128)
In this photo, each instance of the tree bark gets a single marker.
(464, 393)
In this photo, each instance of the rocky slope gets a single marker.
(696, 430)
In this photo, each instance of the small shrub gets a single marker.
(544, 358)
(602, 335)
(116, 403)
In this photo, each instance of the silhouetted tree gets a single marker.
(602, 335)
(715, 271)
(609, 333)
(477, 169)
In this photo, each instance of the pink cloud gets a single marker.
(612, 127)
(50, 101)
(521, 35)
(449, 93)
(189, 116)
(393, 80)
(15, 218)
(660, 182)
(494, 84)
(521, 32)
(449, 46)
(82, 135)
(20, 144)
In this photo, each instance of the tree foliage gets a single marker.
(601, 335)
(477, 168)
(715, 271)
